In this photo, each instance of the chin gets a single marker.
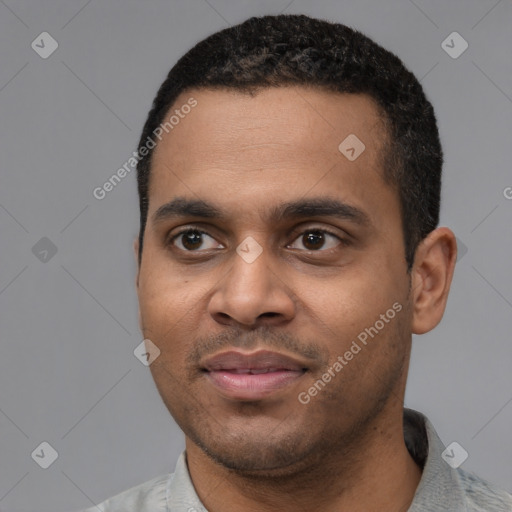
(257, 452)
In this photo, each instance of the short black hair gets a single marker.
(273, 51)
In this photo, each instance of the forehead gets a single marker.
(281, 143)
(307, 121)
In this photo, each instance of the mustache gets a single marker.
(262, 337)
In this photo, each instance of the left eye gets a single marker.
(315, 239)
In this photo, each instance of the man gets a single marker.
(289, 182)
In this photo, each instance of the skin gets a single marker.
(344, 450)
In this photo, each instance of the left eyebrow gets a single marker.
(302, 208)
(319, 207)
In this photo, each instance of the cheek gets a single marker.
(166, 300)
(162, 283)
(351, 300)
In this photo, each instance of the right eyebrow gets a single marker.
(181, 207)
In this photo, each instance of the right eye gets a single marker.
(191, 239)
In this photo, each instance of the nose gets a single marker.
(252, 294)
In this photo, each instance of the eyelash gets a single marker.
(192, 229)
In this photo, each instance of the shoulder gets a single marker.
(151, 496)
(444, 488)
(481, 496)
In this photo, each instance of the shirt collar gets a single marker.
(439, 489)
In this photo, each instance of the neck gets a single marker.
(375, 473)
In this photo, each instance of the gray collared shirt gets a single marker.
(441, 488)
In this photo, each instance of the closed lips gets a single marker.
(251, 377)
(254, 371)
(255, 363)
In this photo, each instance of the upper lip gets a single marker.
(261, 360)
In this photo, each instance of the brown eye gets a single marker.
(316, 239)
(192, 240)
(313, 240)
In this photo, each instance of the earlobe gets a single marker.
(136, 252)
(140, 322)
(432, 276)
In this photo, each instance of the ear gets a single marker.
(136, 251)
(432, 273)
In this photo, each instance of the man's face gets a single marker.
(321, 280)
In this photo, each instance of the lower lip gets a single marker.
(244, 386)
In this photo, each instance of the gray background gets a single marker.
(69, 326)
